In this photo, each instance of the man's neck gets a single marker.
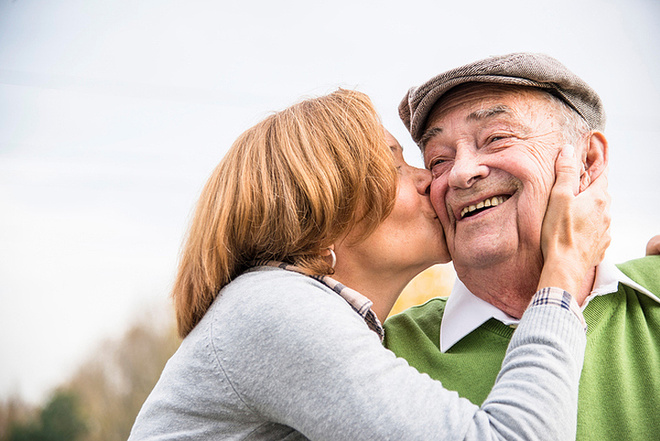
(587, 287)
(512, 290)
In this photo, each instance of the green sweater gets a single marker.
(620, 384)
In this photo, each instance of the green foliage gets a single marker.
(26, 432)
(59, 420)
(102, 399)
(116, 380)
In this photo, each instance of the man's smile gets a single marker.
(480, 206)
(477, 206)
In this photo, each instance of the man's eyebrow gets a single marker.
(489, 113)
(428, 134)
(477, 115)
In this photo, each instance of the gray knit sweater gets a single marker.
(280, 356)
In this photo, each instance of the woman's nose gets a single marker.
(422, 180)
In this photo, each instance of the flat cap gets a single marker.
(523, 69)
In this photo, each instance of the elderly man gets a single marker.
(490, 133)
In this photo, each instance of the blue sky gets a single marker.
(113, 114)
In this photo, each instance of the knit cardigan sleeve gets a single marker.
(295, 353)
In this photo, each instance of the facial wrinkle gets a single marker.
(482, 114)
(428, 134)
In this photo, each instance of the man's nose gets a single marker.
(466, 169)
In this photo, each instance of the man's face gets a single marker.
(491, 152)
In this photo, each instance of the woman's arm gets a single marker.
(300, 356)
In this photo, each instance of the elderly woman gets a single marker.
(303, 239)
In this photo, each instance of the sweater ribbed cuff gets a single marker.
(561, 298)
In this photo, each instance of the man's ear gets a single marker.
(594, 159)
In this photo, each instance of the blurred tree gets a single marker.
(434, 282)
(13, 412)
(59, 420)
(26, 432)
(114, 383)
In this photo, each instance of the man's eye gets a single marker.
(438, 166)
(498, 137)
(435, 162)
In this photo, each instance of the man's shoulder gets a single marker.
(415, 323)
(432, 309)
(644, 271)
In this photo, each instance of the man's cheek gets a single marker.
(437, 196)
(530, 222)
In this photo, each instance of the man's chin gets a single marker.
(480, 257)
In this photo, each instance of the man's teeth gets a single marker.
(490, 202)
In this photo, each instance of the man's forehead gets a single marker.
(490, 112)
(482, 102)
(489, 98)
(484, 112)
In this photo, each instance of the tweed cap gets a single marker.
(523, 69)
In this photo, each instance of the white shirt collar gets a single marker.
(465, 312)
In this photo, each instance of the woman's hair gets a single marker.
(287, 189)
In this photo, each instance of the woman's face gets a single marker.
(411, 238)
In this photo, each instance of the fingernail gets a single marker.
(568, 150)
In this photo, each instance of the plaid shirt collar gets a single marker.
(358, 302)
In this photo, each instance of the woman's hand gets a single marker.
(575, 232)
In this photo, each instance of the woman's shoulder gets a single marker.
(273, 295)
(274, 285)
(277, 314)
